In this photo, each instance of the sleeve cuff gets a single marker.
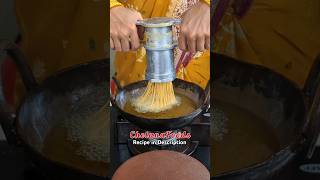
(114, 3)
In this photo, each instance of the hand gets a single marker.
(195, 28)
(123, 30)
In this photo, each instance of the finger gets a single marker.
(200, 43)
(117, 44)
(135, 40)
(182, 42)
(207, 44)
(111, 43)
(191, 44)
(125, 46)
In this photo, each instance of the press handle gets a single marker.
(168, 22)
(140, 23)
(176, 21)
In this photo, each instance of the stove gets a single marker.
(122, 147)
(16, 165)
(302, 168)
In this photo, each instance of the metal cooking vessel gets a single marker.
(294, 114)
(49, 103)
(159, 44)
(198, 95)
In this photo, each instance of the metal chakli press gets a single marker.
(159, 44)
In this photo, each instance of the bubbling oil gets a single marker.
(59, 149)
(81, 139)
(91, 131)
(185, 106)
(249, 140)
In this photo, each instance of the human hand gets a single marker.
(123, 30)
(195, 28)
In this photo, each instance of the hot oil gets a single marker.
(249, 141)
(58, 148)
(185, 107)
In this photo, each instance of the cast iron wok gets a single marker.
(291, 112)
(193, 91)
(49, 103)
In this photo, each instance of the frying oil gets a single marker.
(60, 149)
(185, 107)
(249, 140)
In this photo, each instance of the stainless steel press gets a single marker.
(159, 45)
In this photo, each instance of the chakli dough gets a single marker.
(157, 97)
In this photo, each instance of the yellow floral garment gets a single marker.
(114, 3)
(130, 66)
(281, 35)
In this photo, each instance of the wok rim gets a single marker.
(40, 157)
(161, 124)
(292, 148)
(283, 152)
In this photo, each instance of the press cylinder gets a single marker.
(159, 45)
